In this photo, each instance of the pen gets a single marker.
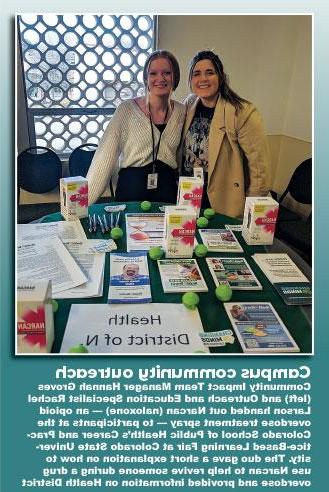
(90, 228)
(101, 224)
(105, 223)
(118, 220)
(111, 221)
(95, 223)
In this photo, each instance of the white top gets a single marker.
(127, 142)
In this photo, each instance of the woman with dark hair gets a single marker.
(224, 135)
(142, 139)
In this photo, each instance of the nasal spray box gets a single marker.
(179, 233)
(35, 321)
(259, 220)
(74, 197)
(190, 189)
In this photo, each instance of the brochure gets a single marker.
(234, 227)
(144, 231)
(295, 293)
(233, 271)
(134, 329)
(178, 275)
(286, 277)
(259, 328)
(129, 278)
(220, 240)
(279, 267)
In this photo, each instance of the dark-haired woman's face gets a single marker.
(205, 82)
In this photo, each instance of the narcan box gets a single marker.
(190, 191)
(259, 220)
(74, 197)
(35, 319)
(179, 233)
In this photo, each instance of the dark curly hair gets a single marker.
(225, 91)
(168, 56)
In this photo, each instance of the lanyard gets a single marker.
(155, 151)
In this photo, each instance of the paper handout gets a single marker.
(144, 231)
(66, 231)
(92, 266)
(259, 327)
(290, 283)
(220, 240)
(48, 259)
(129, 278)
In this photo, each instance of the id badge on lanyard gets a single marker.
(152, 181)
(198, 172)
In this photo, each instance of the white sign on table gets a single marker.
(134, 329)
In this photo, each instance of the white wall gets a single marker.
(298, 122)
(268, 59)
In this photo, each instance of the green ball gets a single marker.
(116, 233)
(190, 300)
(200, 250)
(202, 222)
(55, 306)
(78, 349)
(209, 213)
(223, 292)
(146, 205)
(156, 253)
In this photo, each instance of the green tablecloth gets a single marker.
(212, 312)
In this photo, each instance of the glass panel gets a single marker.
(64, 134)
(81, 62)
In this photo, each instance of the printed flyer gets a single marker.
(233, 271)
(181, 275)
(129, 278)
(220, 240)
(161, 395)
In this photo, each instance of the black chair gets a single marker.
(80, 159)
(298, 234)
(291, 227)
(79, 163)
(39, 170)
(299, 188)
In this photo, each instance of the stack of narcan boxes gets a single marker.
(190, 192)
(74, 197)
(259, 220)
(180, 225)
(35, 321)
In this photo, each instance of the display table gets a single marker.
(212, 312)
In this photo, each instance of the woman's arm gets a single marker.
(253, 142)
(105, 158)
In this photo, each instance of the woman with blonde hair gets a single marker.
(142, 139)
(224, 135)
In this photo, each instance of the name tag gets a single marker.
(152, 181)
(198, 172)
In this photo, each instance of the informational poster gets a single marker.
(214, 420)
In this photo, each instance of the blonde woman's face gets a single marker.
(205, 81)
(160, 77)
